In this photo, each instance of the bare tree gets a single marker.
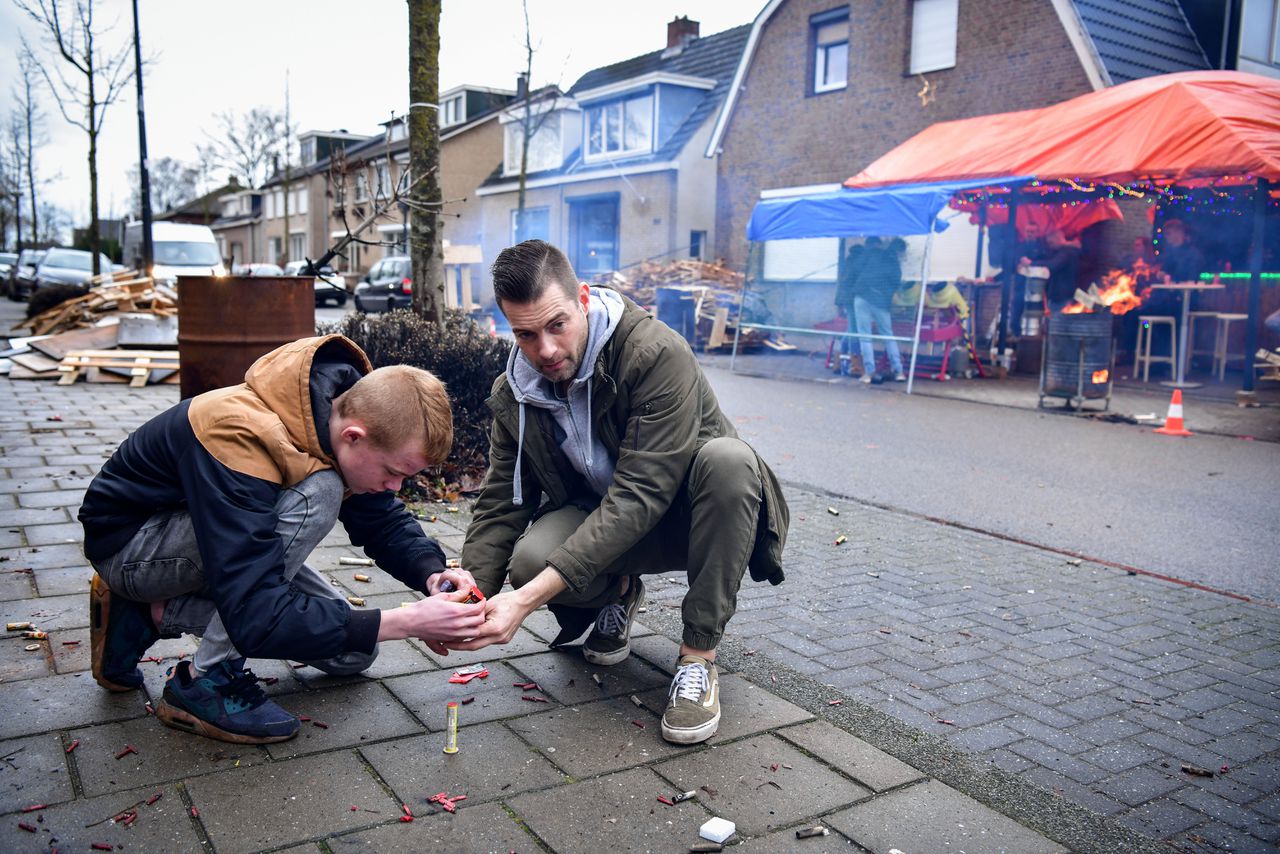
(98, 79)
(530, 122)
(247, 145)
(54, 225)
(31, 124)
(11, 183)
(426, 244)
(173, 183)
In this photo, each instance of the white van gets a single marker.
(181, 249)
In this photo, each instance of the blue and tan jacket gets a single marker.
(223, 457)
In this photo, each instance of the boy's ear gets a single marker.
(354, 432)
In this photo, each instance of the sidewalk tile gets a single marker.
(873, 768)
(595, 738)
(64, 581)
(785, 842)
(17, 663)
(248, 809)
(35, 772)
(752, 795)
(162, 826)
(163, 755)
(52, 535)
(354, 714)
(426, 695)
(1139, 785)
(565, 676)
(523, 643)
(474, 828)
(616, 813)
(490, 763)
(745, 708)
(49, 612)
(395, 658)
(931, 816)
(61, 702)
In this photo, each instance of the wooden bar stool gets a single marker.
(1192, 352)
(1221, 352)
(1142, 349)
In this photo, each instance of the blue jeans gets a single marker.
(863, 315)
(162, 563)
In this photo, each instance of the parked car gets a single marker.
(22, 279)
(7, 260)
(329, 285)
(178, 249)
(388, 285)
(68, 267)
(256, 270)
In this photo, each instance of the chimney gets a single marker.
(522, 86)
(681, 31)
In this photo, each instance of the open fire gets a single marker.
(1117, 292)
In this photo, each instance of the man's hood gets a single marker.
(604, 311)
(283, 380)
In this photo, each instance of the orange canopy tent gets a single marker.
(1188, 128)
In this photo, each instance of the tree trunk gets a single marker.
(29, 110)
(93, 161)
(426, 246)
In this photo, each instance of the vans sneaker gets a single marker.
(610, 640)
(120, 632)
(693, 707)
(225, 703)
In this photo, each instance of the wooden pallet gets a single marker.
(139, 363)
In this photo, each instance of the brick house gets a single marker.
(238, 227)
(616, 173)
(824, 87)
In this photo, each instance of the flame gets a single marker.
(1100, 377)
(1117, 292)
(1074, 308)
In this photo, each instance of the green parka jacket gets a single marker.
(654, 410)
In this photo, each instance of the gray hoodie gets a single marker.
(572, 413)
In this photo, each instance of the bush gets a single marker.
(464, 357)
(43, 299)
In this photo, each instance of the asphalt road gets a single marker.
(1202, 510)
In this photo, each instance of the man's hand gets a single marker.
(459, 578)
(442, 618)
(506, 611)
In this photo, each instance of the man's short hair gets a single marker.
(522, 272)
(398, 404)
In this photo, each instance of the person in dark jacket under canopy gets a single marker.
(202, 519)
(609, 458)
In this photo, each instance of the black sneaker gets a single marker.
(610, 640)
(225, 703)
(120, 633)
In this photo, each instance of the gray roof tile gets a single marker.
(1141, 38)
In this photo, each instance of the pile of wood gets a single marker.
(80, 338)
(715, 289)
(110, 293)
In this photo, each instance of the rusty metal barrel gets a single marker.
(226, 323)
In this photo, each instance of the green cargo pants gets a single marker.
(710, 532)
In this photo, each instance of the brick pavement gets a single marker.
(1078, 700)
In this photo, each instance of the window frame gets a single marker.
(934, 64)
(819, 51)
(599, 109)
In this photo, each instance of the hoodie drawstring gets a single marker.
(591, 448)
(517, 496)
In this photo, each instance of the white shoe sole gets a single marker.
(691, 735)
(605, 659)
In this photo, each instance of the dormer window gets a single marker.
(308, 151)
(544, 144)
(451, 111)
(620, 128)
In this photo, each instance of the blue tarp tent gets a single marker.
(899, 210)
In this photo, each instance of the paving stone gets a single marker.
(661, 652)
(354, 714)
(426, 695)
(59, 498)
(490, 763)
(17, 663)
(524, 643)
(615, 813)
(48, 612)
(60, 702)
(50, 535)
(39, 557)
(986, 737)
(745, 708)
(64, 581)
(474, 828)
(163, 755)
(380, 581)
(563, 675)
(33, 517)
(15, 585)
(871, 767)
(162, 826)
(296, 800)
(941, 819)
(750, 794)
(71, 657)
(395, 658)
(1139, 785)
(594, 738)
(1121, 756)
(785, 842)
(35, 772)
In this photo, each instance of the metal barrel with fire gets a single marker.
(1078, 359)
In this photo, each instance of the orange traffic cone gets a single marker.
(1173, 424)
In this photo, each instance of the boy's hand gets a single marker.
(460, 579)
(438, 618)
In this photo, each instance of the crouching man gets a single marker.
(609, 459)
(201, 520)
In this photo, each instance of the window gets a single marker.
(308, 151)
(544, 145)
(451, 112)
(362, 186)
(297, 246)
(275, 250)
(1260, 31)
(536, 225)
(237, 253)
(933, 35)
(830, 35)
(697, 240)
(300, 201)
(383, 177)
(621, 128)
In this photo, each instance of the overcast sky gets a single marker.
(346, 61)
